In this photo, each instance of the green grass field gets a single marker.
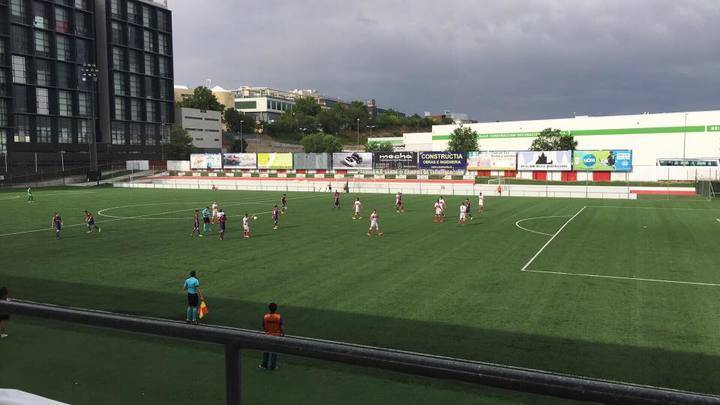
(626, 290)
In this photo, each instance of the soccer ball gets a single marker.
(254, 216)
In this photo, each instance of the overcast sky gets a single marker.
(492, 59)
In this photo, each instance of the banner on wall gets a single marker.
(274, 160)
(553, 161)
(239, 160)
(492, 160)
(206, 161)
(395, 160)
(311, 161)
(352, 160)
(615, 160)
(442, 160)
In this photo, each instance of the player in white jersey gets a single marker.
(246, 226)
(357, 207)
(214, 207)
(374, 224)
(437, 212)
(399, 206)
(463, 214)
(442, 204)
(481, 202)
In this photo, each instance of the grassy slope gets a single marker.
(424, 287)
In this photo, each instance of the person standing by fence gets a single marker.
(192, 286)
(273, 326)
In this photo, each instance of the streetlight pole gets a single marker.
(241, 136)
(371, 129)
(357, 120)
(89, 73)
(684, 138)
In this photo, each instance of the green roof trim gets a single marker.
(590, 132)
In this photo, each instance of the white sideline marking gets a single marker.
(551, 239)
(655, 208)
(654, 280)
(538, 232)
(10, 198)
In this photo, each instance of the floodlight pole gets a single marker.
(89, 72)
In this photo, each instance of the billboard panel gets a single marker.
(395, 160)
(311, 161)
(615, 160)
(492, 160)
(442, 160)
(239, 160)
(352, 160)
(206, 161)
(553, 161)
(274, 160)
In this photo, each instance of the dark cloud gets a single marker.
(504, 59)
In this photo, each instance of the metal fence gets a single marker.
(233, 339)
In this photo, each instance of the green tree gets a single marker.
(378, 147)
(321, 143)
(357, 110)
(180, 146)
(331, 120)
(307, 106)
(463, 139)
(553, 139)
(237, 119)
(203, 99)
(238, 145)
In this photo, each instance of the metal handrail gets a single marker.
(234, 339)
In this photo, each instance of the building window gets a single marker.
(62, 47)
(20, 40)
(163, 44)
(20, 98)
(65, 75)
(164, 66)
(147, 16)
(135, 134)
(22, 131)
(19, 69)
(148, 43)
(162, 21)
(151, 135)
(150, 111)
(4, 114)
(43, 72)
(246, 105)
(65, 103)
(81, 4)
(4, 83)
(149, 64)
(17, 10)
(62, 19)
(83, 131)
(40, 15)
(3, 49)
(135, 90)
(3, 141)
(132, 12)
(119, 83)
(165, 112)
(118, 133)
(64, 135)
(82, 25)
(115, 8)
(43, 130)
(134, 110)
(119, 108)
(133, 37)
(42, 43)
(42, 100)
(134, 61)
(165, 134)
(82, 51)
(164, 89)
(117, 33)
(83, 104)
(118, 58)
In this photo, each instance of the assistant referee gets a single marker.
(192, 286)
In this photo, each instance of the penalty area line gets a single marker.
(551, 239)
(653, 280)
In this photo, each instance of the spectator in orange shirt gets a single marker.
(272, 325)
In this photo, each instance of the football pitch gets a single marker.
(620, 290)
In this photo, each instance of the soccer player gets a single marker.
(56, 224)
(90, 221)
(221, 223)
(29, 195)
(192, 286)
(499, 190)
(336, 199)
(273, 326)
(468, 204)
(246, 226)
(463, 214)
(399, 207)
(442, 205)
(374, 224)
(214, 212)
(196, 224)
(283, 203)
(206, 220)
(275, 217)
(357, 207)
(437, 212)
(481, 200)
